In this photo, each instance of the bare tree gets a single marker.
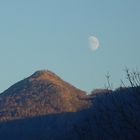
(133, 77)
(109, 84)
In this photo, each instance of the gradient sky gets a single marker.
(53, 34)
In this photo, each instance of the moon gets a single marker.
(94, 43)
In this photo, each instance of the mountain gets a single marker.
(40, 94)
(45, 107)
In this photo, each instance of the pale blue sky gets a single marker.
(53, 34)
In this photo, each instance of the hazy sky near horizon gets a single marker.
(53, 34)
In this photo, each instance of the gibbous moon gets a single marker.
(94, 43)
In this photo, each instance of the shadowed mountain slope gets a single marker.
(115, 116)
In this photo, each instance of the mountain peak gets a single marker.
(43, 75)
(41, 93)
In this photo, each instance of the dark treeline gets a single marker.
(115, 115)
